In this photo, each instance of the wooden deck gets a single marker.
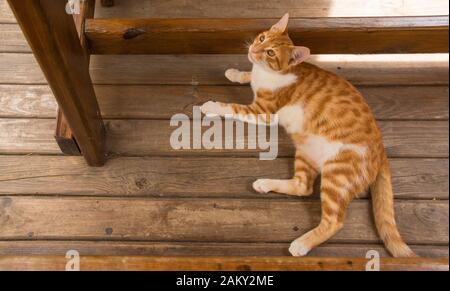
(152, 200)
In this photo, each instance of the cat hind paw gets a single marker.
(298, 249)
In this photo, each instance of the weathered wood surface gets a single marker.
(12, 39)
(189, 177)
(263, 9)
(416, 69)
(259, 9)
(152, 137)
(53, 38)
(140, 263)
(200, 220)
(124, 248)
(209, 69)
(162, 102)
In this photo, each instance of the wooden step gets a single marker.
(152, 138)
(87, 263)
(259, 9)
(162, 102)
(229, 36)
(206, 220)
(170, 249)
(417, 69)
(201, 177)
(266, 9)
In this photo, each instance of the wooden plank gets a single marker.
(152, 137)
(6, 15)
(54, 40)
(28, 136)
(228, 36)
(190, 177)
(119, 248)
(162, 102)
(32, 101)
(87, 263)
(264, 9)
(415, 69)
(13, 40)
(201, 220)
(260, 9)
(209, 69)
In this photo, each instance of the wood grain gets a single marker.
(259, 9)
(227, 36)
(152, 137)
(264, 9)
(64, 135)
(12, 39)
(32, 101)
(88, 263)
(53, 38)
(6, 15)
(201, 220)
(209, 69)
(118, 248)
(190, 177)
(162, 102)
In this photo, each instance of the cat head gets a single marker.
(274, 50)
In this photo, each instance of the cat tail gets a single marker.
(383, 208)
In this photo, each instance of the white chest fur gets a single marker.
(315, 148)
(263, 78)
(292, 117)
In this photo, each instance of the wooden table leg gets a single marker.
(53, 37)
(63, 134)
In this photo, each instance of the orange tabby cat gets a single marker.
(334, 132)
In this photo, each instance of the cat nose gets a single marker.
(254, 51)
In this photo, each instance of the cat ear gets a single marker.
(281, 26)
(299, 54)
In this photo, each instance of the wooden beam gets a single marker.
(63, 134)
(53, 38)
(142, 263)
(228, 36)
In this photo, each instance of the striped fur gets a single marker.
(333, 129)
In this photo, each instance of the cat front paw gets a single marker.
(212, 108)
(263, 186)
(233, 75)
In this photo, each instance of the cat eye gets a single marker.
(271, 53)
(262, 38)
